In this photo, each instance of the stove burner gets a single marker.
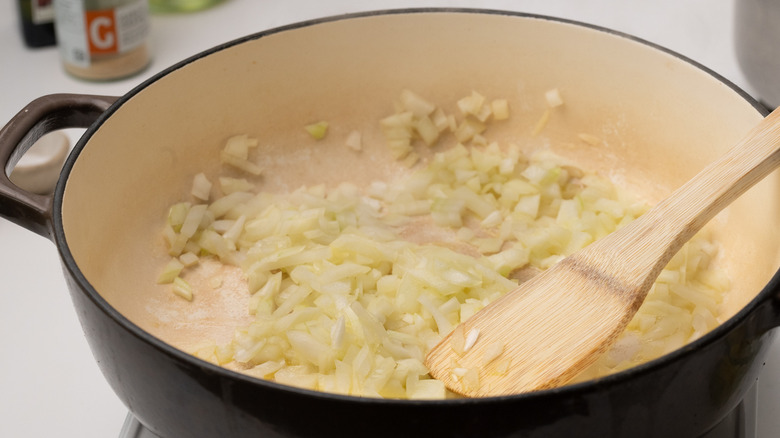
(740, 423)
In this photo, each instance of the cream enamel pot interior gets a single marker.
(662, 118)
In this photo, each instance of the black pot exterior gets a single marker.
(175, 395)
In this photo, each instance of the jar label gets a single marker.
(42, 11)
(83, 34)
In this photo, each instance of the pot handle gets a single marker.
(41, 116)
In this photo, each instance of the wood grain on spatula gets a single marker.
(553, 326)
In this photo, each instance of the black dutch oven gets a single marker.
(661, 118)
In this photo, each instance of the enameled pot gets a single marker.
(661, 118)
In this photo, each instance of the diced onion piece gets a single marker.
(553, 98)
(427, 390)
(492, 352)
(481, 206)
(188, 259)
(296, 376)
(472, 104)
(493, 219)
(502, 366)
(201, 187)
(236, 153)
(170, 272)
(338, 333)
(177, 214)
(470, 380)
(398, 130)
(568, 212)
(309, 348)
(224, 205)
(354, 141)
(230, 185)
(452, 122)
(214, 243)
(266, 369)
(447, 212)
(440, 119)
(458, 340)
(468, 129)
(484, 113)
(427, 130)
(242, 164)
(439, 317)
(317, 130)
(234, 232)
(471, 339)
(238, 146)
(479, 140)
(415, 104)
(401, 121)
(500, 108)
(182, 288)
(510, 259)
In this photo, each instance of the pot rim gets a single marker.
(69, 263)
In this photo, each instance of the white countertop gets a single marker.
(50, 385)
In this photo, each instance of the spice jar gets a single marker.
(103, 39)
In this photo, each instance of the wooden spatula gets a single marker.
(551, 327)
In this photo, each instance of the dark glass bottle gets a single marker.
(37, 22)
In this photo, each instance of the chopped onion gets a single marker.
(188, 259)
(500, 109)
(230, 185)
(492, 352)
(342, 302)
(416, 104)
(553, 97)
(472, 105)
(317, 130)
(170, 272)
(471, 339)
(182, 288)
(201, 187)
(354, 141)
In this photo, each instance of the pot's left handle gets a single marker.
(41, 116)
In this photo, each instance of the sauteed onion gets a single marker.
(351, 286)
